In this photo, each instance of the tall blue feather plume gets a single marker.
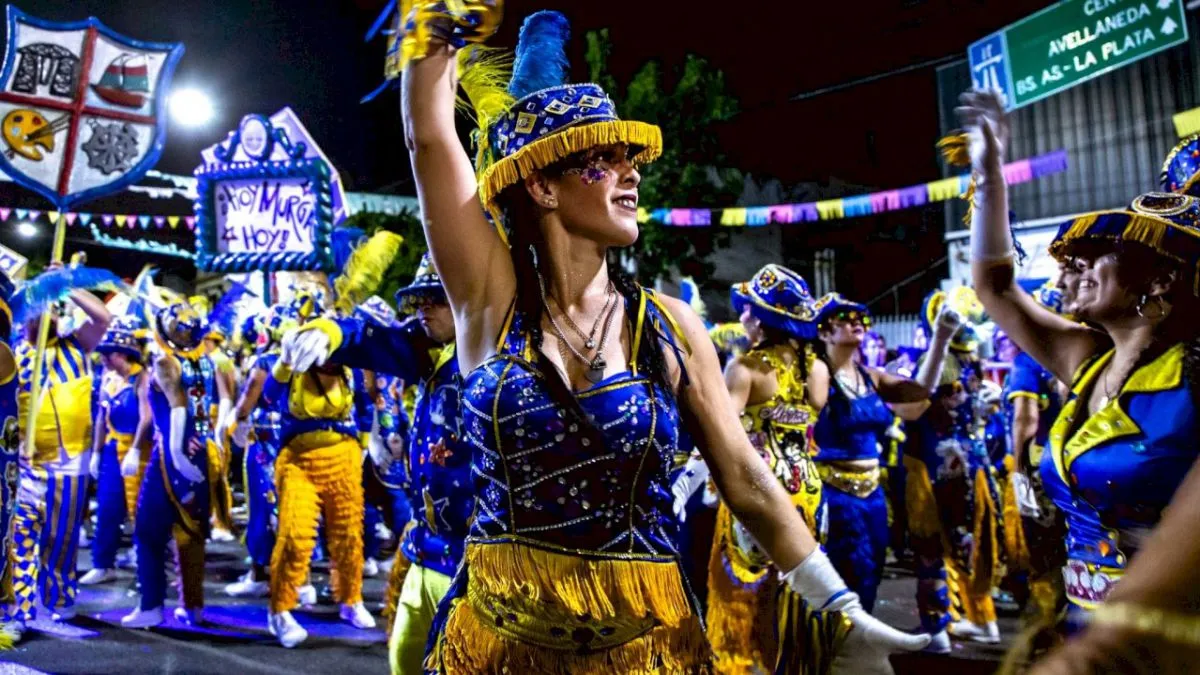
(343, 241)
(50, 287)
(224, 312)
(541, 59)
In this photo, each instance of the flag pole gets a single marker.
(35, 383)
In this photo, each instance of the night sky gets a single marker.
(259, 55)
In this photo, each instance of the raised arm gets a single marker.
(90, 334)
(470, 256)
(1061, 346)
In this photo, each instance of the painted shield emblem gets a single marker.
(81, 107)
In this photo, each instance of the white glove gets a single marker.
(131, 463)
(175, 446)
(711, 497)
(376, 448)
(241, 433)
(866, 648)
(94, 465)
(302, 349)
(695, 474)
(1026, 500)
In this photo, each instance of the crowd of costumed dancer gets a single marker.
(539, 436)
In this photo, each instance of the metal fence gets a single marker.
(896, 329)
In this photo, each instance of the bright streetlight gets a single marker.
(190, 107)
(27, 230)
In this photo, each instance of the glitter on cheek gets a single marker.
(592, 175)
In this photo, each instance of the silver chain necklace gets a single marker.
(589, 340)
(595, 366)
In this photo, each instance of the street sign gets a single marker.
(1072, 42)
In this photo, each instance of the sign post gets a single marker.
(1072, 42)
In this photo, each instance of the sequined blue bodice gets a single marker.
(543, 476)
(849, 427)
(264, 418)
(120, 402)
(1113, 475)
(1029, 379)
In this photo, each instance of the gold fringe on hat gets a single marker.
(956, 151)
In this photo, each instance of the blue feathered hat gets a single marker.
(34, 297)
(174, 323)
(831, 304)
(1181, 172)
(425, 284)
(539, 118)
(779, 298)
(222, 316)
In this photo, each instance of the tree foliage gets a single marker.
(407, 225)
(692, 171)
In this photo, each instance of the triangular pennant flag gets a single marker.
(70, 218)
(130, 220)
(158, 221)
(173, 221)
(107, 218)
(34, 215)
(85, 218)
(53, 216)
(191, 222)
(4, 213)
(22, 214)
(120, 221)
(144, 221)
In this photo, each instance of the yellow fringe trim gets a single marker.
(923, 519)
(603, 589)
(740, 621)
(7, 641)
(956, 151)
(365, 269)
(985, 557)
(1014, 532)
(558, 146)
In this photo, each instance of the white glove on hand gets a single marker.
(241, 433)
(376, 448)
(94, 464)
(866, 649)
(131, 463)
(303, 348)
(695, 474)
(175, 447)
(1026, 500)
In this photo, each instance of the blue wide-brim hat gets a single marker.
(779, 298)
(125, 335)
(1167, 223)
(832, 303)
(964, 301)
(539, 119)
(425, 284)
(1181, 172)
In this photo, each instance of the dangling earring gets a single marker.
(1140, 307)
(533, 255)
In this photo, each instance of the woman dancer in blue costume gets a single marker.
(174, 500)
(117, 464)
(576, 381)
(850, 432)
(1126, 436)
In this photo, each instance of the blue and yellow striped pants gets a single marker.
(45, 544)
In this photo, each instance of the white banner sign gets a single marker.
(265, 215)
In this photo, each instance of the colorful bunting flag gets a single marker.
(120, 221)
(34, 215)
(159, 221)
(71, 218)
(144, 221)
(107, 218)
(173, 221)
(4, 213)
(191, 222)
(85, 218)
(53, 215)
(22, 214)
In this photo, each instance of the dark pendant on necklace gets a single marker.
(595, 371)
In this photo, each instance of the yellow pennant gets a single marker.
(173, 221)
(120, 221)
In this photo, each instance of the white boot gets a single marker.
(220, 534)
(370, 567)
(97, 576)
(940, 643)
(284, 627)
(189, 617)
(247, 587)
(966, 630)
(357, 615)
(63, 613)
(307, 595)
(140, 618)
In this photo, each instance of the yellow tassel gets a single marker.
(956, 151)
(923, 519)
(365, 269)
(1014, 532)
(558, 146)
(985, 557)
(391, 598)
(740, 621)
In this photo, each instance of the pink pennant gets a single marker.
(131, 220)
(70, 217)
(4, 213)
(107, 218)
(159, 221)
(191, 222)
